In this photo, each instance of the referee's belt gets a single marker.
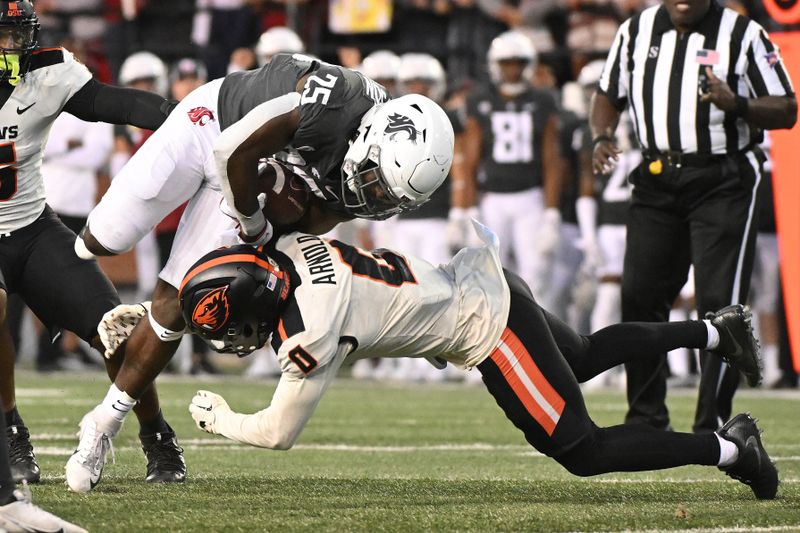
(657, 160)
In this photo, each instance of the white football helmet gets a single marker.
(276, 40)
(142, 66)
(402, 154)
(425, 68)
(381, 66)
(509, 46)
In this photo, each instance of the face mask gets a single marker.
(9, 64)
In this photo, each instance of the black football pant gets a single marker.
(699, 216)
(533, 375)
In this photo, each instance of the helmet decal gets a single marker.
(398, 123)
(213, 309)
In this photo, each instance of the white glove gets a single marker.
(117, 325)
(592, 260)
(549, 232)
(459, 228)
(206, 407)
(228, 211)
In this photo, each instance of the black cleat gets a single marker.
(20, 455)
(165, 462)
(737, 344)
(753, 467)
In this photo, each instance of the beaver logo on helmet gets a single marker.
(212, 311)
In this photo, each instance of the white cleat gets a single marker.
(85, 466)
(22, 516)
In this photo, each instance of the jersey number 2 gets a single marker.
(383, 266)
(8, 174)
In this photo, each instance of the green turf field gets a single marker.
(394, 458)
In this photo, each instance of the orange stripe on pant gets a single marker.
(540, 399)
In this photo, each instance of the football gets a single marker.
(288, 196)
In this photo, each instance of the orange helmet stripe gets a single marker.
(224, 260)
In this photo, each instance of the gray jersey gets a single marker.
(333, 101)
(25, 120)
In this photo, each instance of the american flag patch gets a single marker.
(772, 59)
(707, 57)
(271, 281)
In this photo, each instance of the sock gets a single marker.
(117, 404)
(728, 452)
(713, 335)
(13, 419)
(156, 425)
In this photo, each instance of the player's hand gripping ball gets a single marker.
(288, 196)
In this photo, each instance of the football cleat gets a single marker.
(737, 344)
(20, 455)
(22, 516)
(165, 462)
(753, 466)
(85, 466)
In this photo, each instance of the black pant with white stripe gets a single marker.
(700, 216)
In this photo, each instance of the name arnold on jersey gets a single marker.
(8, 132)
(318, 258)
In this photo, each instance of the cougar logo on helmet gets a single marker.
(398, 123)
(212, 311)
(201, 115)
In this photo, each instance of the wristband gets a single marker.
(742, 105)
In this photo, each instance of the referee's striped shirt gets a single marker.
(657, 72)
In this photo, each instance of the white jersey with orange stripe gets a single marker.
(350, 303)
(25, 121)
(390, 305)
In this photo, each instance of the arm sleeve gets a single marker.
(278, 426)
(766, 73)
(98, 102)
(614, 79)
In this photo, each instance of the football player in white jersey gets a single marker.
(322, 302)
(209, 149)
(37, 259)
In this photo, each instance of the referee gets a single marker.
(701, 83)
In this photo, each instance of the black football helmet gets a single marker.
(233, 297)
(18, 21)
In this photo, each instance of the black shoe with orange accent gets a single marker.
(753, 467)
(737, 344)
(20, 455)
(165, 462)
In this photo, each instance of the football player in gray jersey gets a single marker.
(37, 259)
(330, 125)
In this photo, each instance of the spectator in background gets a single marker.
(222, 27)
